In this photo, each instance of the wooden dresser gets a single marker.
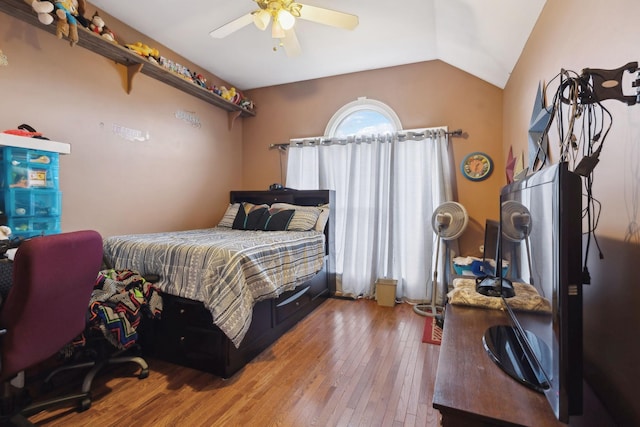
(471, 390)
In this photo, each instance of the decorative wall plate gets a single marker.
(476, 166)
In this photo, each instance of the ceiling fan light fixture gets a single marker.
(286, 19)
(282, 15)
(261, 19)
(277, 32)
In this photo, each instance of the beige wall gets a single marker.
(117, 186)
(178, 179)
(423, 95)
(577, 34)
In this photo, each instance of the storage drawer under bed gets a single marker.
(186, 335)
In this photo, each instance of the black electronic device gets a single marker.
(541, 239)
(279, 187)
(490, 247)
(488, 283)
(495, 287)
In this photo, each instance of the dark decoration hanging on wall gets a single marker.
(511, 166)
(608, 84)
(538, 128)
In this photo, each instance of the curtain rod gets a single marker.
(321, 140)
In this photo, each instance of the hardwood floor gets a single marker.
(349, 363)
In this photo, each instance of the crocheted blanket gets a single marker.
(526, 299)
(119, 300)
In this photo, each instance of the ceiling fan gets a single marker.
(282, 14)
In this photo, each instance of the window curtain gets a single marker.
(387, 188)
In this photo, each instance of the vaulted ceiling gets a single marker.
(484, 38)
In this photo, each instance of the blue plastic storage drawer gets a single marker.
(31, 227)
(23, 168)
(21, 202)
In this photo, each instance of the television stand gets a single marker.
(471, 390)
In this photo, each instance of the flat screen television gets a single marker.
(541, 239)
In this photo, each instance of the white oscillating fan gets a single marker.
(516, 226)
(449, 221)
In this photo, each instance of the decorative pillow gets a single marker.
(248, 216)
(304, 218)
(323, 218)
(229, 215)
(275, 219)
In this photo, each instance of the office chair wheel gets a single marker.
(143, 374)
(85, 404)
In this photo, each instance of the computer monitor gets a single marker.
(491, 242)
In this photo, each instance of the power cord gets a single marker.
(575, 101)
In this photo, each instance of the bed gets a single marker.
(229, 293)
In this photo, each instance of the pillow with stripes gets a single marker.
(304, 217)
(323, 218)
(229, 215)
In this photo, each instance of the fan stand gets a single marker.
(432, 310)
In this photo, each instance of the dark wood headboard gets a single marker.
(302, 198)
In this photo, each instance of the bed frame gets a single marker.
(186, 334)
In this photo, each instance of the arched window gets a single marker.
(384, 177)
(363, 117)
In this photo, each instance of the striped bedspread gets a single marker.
(228, 270)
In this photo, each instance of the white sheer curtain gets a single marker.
(387, 188)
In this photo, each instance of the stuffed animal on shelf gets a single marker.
(81, 8)
(227, 94)
(232, 95)
(98, 26)
(199, 79)
(70, 13)
(109, 35)
(247, 104)
(97, 23)
(145, 51)
(43, 9)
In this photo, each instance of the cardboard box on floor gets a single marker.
(386, 292)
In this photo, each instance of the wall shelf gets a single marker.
(133, 62)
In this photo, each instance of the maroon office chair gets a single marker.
(46, 307)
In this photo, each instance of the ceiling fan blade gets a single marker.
(290, 43)
(230, 27)
(328, 17)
